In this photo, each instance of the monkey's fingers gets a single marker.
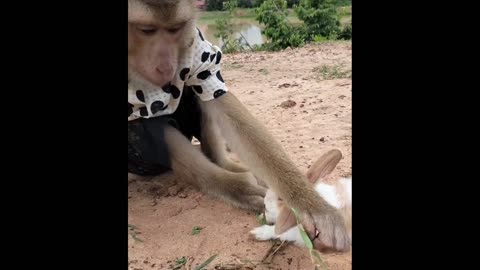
(329, 236)
(327, 247)
(252, 196)
(309, 225)
(255, 190)
(255, 203)
(322, 247)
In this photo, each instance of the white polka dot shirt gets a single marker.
(199, 69)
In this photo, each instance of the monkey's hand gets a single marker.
(241, 190)
(326, 228)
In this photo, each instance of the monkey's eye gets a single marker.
(174, 30)
(147, 30)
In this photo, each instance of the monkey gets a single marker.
(176, 92)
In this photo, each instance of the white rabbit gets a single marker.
(339, 195)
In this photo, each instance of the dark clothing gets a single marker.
(147, 150)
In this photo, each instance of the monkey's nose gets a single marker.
(165, 71)
(162, 76)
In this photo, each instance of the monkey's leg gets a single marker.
(191, 165)
(213, 145)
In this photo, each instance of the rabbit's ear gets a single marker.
(324, 165)
(285, 220)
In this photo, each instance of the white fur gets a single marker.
(329, 193)
(264, 232)
(346, 183)
(271, 207)
(292, 235)
(335, 196)
(267, 232)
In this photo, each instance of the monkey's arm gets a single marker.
(259, 150)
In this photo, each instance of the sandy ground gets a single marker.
(317, 78)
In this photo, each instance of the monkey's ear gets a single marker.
(324, 165)
(285, 220)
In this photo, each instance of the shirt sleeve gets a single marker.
(206, 78)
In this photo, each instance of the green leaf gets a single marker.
(132, 229)
(179, 263)
(315, 254)
(196, 230)
(209, 260)
(134, 236)
(261, 219)
(305, 237)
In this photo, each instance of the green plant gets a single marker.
(196, 230)
(290, 3)
(208, 261)
(133, 232)
(319, 38)
(314, 254)
(332, 72)
(179, 263)
(257, 3)
(280, 32)
(320, 18)
(261, 219)
(225, 29)
(346, 32)
(214, 5)
(342, 3)
(245, 3)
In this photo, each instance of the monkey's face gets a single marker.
(157, 34)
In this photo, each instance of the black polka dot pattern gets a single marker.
(219, 93)
(130, 109)
(200, 34)
(219, 57)
(157, 106)
(166, 88)
(175, 91)
(198, 89)
(219, 76)
(140, 95)
(205, 56)
(212, 57)
(204, 75)
(143, 111)
(184, 73)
